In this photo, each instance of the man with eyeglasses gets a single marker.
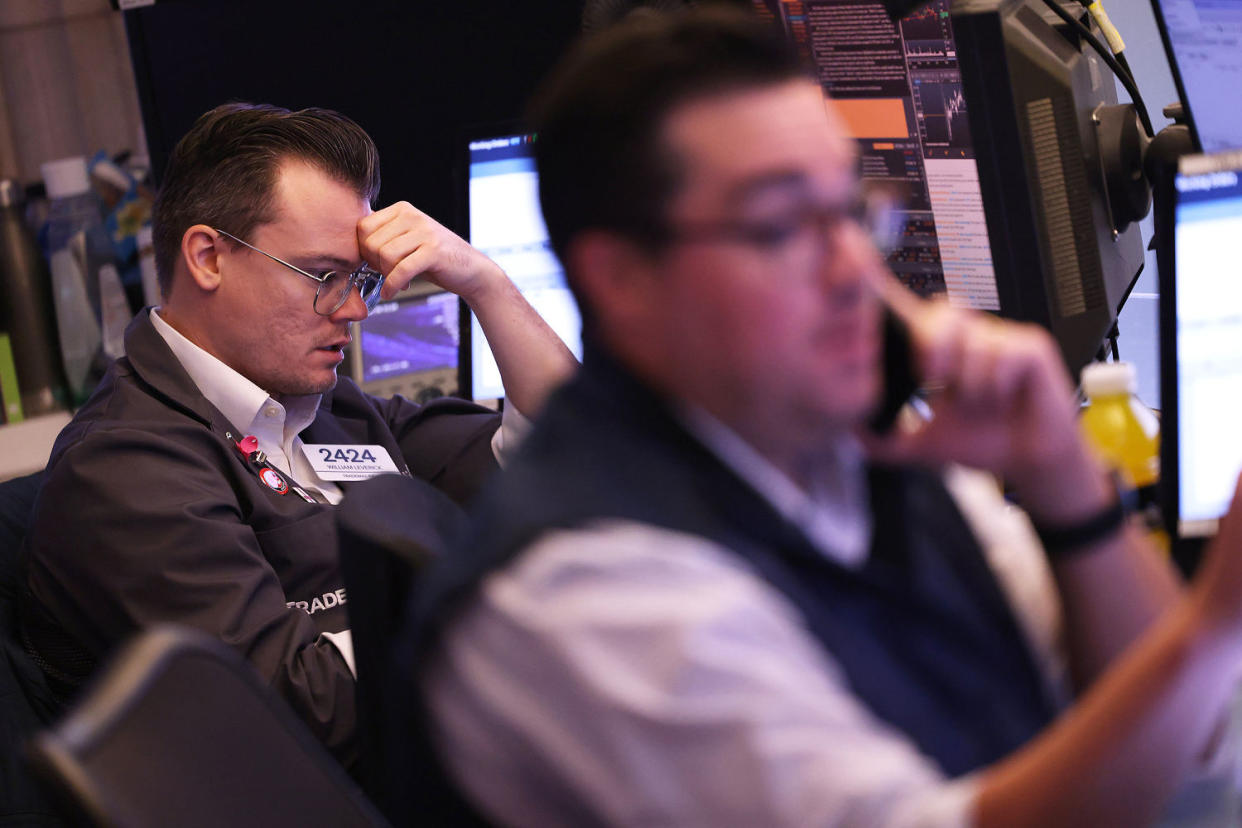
(707, 593)
(190, 488)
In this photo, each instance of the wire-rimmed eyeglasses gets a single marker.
(800, 237)
(333, 286)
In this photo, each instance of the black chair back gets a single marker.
(26, 702)
(179, 730)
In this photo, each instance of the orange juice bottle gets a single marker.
(1125, 434)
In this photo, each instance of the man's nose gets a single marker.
(354, 309)
(851, 257)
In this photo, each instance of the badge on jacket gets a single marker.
(274, 481)
(346, 462)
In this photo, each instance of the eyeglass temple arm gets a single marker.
(320, 279)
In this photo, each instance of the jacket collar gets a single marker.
(153, 362)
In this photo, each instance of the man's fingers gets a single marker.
(938, 337)
(899, 299)
(923, 444)
(1230, 528)
(415, 263)
(369, 224)
(377, 231)
(395, 249)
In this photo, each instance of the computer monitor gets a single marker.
(1203, 39)
(408, 346)
(1201, 343)
(980, 112)
(505, 223)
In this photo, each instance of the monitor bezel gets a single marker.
(997, 62)
(1175, 70)
(466, 135)
(1187, 539)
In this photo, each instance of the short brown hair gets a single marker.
(223, 171)
(599, 116)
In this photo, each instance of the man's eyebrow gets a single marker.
(780, 182)
(324, 261)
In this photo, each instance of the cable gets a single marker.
(1127, 80)
(1125, 64)
(1096, 9)
(1118, 64)
(1115, 43)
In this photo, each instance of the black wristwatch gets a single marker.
(1068, 540)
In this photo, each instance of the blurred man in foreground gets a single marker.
(707, 594)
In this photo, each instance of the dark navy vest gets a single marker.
(922, 631)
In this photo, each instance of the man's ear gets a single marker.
(200, 248)
(615, 275)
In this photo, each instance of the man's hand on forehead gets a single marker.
(405, 244)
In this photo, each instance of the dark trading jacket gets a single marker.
(923, 633)
(149, 513)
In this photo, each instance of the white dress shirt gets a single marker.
(248, 407)
(625, 674)
(277, 423)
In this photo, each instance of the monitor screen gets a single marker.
(408, 346)
(982, 114)
(899, 90)
(409, 335)
(506, 224)
(1203, 340)
(1204, 42)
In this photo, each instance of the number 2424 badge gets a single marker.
(349, 462)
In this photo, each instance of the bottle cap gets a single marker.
(11, 192)
(110, 173)
(66, 177)
(1103, 378)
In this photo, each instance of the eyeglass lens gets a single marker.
(334, 290)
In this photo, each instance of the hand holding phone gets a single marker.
(998, 395)
(900, 377)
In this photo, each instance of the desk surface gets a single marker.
(25, 446)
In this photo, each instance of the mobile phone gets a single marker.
(900, 377)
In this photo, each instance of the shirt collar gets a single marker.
(237, 398)
(834, 514)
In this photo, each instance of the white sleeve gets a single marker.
(1210, 795)
(628, 675)
(1016, 558)
(344, 643)
(514, 426)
